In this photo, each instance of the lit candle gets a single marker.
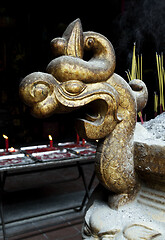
(78, 139)
(11, 149)
(6, 142)
(51, 141)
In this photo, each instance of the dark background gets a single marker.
(26, 32)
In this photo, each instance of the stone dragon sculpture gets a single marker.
(106, 105)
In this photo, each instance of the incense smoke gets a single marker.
(142, 22)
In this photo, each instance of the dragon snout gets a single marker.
(36, 87)
(37, 91)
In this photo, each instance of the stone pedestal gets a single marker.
(144, 217)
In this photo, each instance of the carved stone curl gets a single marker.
(105, 103)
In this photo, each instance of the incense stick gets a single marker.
(136, 72)
(161, 80)
(155, 104)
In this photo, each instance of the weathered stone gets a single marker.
(149, 158)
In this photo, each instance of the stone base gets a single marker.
(144, 218)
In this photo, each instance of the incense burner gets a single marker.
(106, 107)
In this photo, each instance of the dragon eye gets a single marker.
(74, 87)
(90, 42)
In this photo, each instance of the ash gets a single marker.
(156, 126)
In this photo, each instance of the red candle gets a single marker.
(6, 142)
(51, 141)
(83, 142)
(78, 139)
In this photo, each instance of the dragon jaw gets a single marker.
(96, 104)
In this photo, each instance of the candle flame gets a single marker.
(12, 149)
(6, 137)
(50, 137)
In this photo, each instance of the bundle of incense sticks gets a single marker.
(136, 72)
(161, 79)
(136, 69)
